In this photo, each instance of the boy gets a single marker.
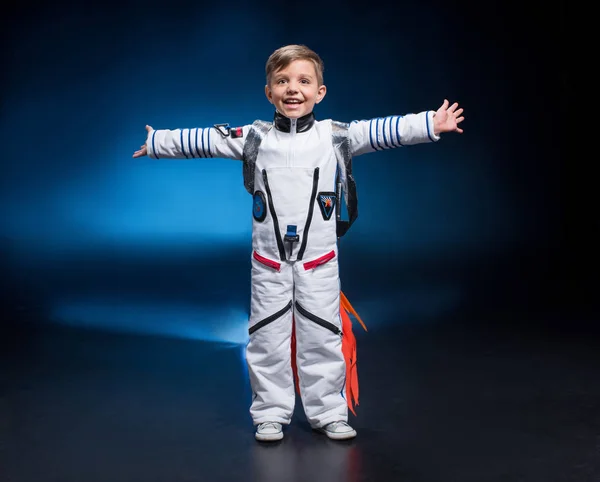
(291, 168)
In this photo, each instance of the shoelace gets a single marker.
(268, 425)
(333, 426)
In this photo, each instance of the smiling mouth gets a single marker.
(292, 102)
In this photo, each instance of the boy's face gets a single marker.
(294, 90)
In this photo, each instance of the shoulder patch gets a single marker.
(227, 131)
(236, 132)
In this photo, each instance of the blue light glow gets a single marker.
(197, 322)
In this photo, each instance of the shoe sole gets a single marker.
(339, 436)
(269, 437)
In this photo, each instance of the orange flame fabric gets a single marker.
(348, 349)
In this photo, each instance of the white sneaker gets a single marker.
(269, 432)
(338, 431)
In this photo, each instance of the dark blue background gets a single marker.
(481, 226)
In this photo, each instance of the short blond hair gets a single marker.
(284, 56)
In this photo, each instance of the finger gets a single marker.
(460, 131)
(453, 107)
(149, 128)
(459, 112)
(459, 120)
(445, 104)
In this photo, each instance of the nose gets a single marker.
(292, 88)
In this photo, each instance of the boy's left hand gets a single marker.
(446, 119)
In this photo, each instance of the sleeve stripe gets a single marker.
(398, 130)
(428, 130)
(153, 145)
(196, 142)
(371, 134)
(202, 136)
(384, 136)
(182, 145)
(390, 139)
(190, 142)
(391, 119)
(208, 143)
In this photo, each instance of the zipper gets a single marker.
(267, 262)
(319, 321)
(270, 319)
(290, 157)
(311, 208)
(319, 261)
(280, 246)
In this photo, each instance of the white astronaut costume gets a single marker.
(294, 249)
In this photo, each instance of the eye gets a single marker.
(281, 81)
(305, 81)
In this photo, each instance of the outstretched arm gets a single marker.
(223, 142)
(397, 131)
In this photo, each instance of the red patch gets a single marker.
(236, 132)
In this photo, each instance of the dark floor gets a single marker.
(438, 403)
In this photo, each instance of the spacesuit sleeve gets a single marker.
(392, 131)
(197, 142)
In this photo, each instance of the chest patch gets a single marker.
(259, 206)
(326, 202)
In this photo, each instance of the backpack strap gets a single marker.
(258, 131)
(345, 182)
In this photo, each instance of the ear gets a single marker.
(269, 94)
(321, 93)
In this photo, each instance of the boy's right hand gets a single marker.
(143, 150)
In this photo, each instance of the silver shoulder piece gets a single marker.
(256, 134)
(346, 183)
